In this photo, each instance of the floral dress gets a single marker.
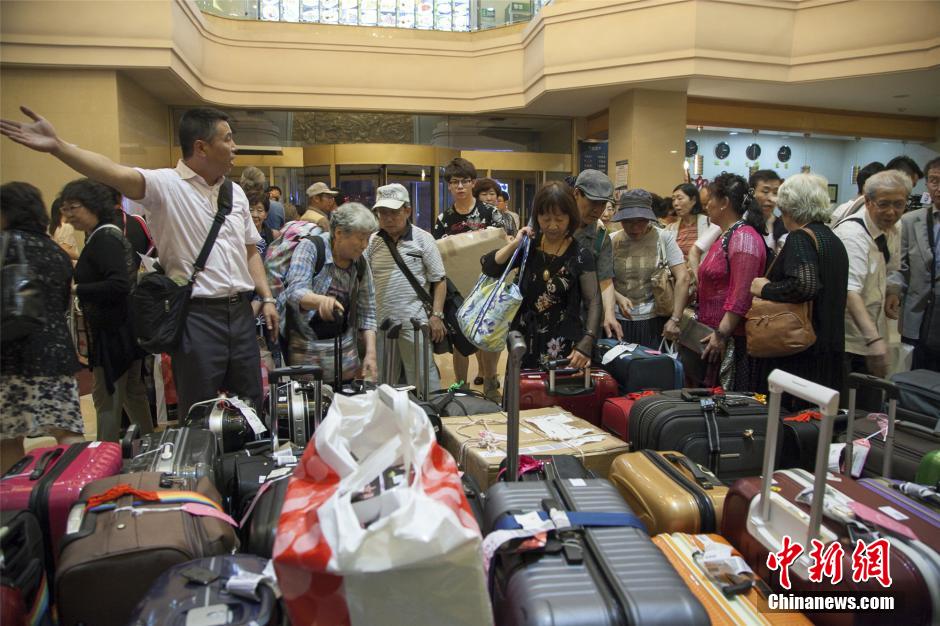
(553, 288)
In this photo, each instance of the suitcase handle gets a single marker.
(44, 462)
(391, 331)
(828, 402)
(698, 474)
(127, 442)
(19, 466)
(552, 367)
(294, 371)
(855, 381)
(517, 349)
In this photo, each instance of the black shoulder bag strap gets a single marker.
(424, 296)
(927, 325)
(225, 207)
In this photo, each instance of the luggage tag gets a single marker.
(256, 424)
(212, 615)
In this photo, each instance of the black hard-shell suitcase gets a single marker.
(219, 415)
(600, 576)
(185, 595)
(296, 402)
(244, 472)
(920, 397)
(259, 522)
(183, 455)
(800, 434)
(724, 433)
(24, 589)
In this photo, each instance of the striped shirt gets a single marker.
(394, 295)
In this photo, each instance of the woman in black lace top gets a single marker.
(558, 275)
(38, 390)
(807, 270)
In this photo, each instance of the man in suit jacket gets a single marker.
(912, 285)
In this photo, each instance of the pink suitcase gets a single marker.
(48, 481)
(580, 393)
(615, 414)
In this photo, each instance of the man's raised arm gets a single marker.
(41, 136)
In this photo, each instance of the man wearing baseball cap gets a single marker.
(395, 296)
(592, 191)
(321, 200)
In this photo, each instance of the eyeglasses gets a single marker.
(461, 182)
(893, 204)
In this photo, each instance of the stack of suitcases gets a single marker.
(601, 497)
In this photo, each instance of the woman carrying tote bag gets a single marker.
(810, 268)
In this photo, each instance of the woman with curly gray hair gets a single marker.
(812, 266)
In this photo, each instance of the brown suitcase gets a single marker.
(742, 608)
(669, 492)
(112, 553)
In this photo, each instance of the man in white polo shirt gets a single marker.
(218, 349)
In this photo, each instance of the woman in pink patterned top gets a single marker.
(724, 277)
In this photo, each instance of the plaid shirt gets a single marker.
(332, 280)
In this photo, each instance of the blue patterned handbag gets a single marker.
(487, 312)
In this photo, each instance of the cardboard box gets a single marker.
(461, 255)
(462, 439)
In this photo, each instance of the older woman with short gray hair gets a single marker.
(329, 292)
(812, 266)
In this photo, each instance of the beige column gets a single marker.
(647, 129)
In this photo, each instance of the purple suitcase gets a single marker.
(48, 481)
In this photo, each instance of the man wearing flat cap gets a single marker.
(592, 191)
(395, 296)
(321, 200)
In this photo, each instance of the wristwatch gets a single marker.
(438, 314)
(268, 301)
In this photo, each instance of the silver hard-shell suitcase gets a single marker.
(182, 455)
(589, 576)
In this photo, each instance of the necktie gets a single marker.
(882, 242)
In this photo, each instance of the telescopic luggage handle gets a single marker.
(289, 373)
(828, 402)
(392, 331)
(552, 367)
(893, 394)
(517, 350)
(422, 358)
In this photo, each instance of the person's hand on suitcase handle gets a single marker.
(326, 306)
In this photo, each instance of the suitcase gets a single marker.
(723, 432)
(919, 396)
(475, 497)
(113, 552)
(670, 493)
(582, 575)
(244, 472)
(232, 429)
(615, 415)
(581, 394)
(48, 481)
(899, 452)
(896, 492)
(184, 595)
(729, 603)
(612, 575)
(24, 589)
(636, 367)
(760, 512)
(453, 403)
(258, 519)
(297, 405)
(424, 362)
(186, 455)
(800, 437)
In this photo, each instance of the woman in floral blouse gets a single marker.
(557, 276)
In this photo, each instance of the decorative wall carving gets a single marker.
(329, 127)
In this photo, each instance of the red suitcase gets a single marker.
(580, 393)
(759, 513)
(48, 481)
(615, 415)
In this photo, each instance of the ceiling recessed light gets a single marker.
(734, 132)
(673, 152)
(901, 95)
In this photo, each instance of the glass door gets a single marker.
(359, 182)
(522, 188)
(418, 181)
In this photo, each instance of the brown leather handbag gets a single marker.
(778, 329)
(664, 283)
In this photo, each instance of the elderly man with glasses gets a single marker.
(872, 241)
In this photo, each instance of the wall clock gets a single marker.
(691, 148)
(752, 152)
(722, 150)
(784, 154)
